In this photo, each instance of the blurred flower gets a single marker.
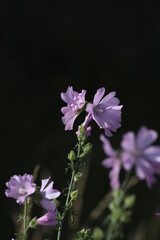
(137, 150)
(49, 219)
(20, 187)
(47, 190)
(75, 101)
(112, 161)
(105, 112)
(85, 124)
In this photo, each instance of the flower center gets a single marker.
(22, 191)
(79, 101)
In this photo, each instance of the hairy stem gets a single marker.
(67, 203)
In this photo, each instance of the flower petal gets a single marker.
(144, 170)
(128, 142)
(98, 96)
(107, 146)
(146, 137)
(128, 160)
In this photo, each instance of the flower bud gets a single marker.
(33, 223)
(74, 195)
(78, 176)
(87, 148)
(72, 155)
(129, 201)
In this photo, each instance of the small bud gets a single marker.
(87, 148)
(129, 201)
(78, 176)
(33, 223)
(72, 155)
(74, 195)
(82, 130)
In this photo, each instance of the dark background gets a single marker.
(46, 46)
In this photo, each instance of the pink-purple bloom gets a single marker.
(47, 191)
(112, 161)
(20, 187)
(106, 112)
(75, 101)
(138, 151)
(49, 219)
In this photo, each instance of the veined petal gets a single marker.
(44, 183)
(98, 96)
(110, 100)
(69, 124)
(68, 96)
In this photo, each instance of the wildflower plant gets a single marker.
(137, 158)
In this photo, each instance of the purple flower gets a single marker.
(112, 161)
(85, 124)
(20, 187)
(49, 219)
(137, 150)
(47, 190)
(75, 101)
(105, 112)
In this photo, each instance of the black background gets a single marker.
(46, 46)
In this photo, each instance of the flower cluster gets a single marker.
(22, 187)
(136, 151)
(106, 112)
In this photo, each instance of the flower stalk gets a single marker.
(68, 202)
(25, 219)
(76, 161)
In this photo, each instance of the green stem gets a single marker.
(127, 178)
(25, 220)
(68, 197)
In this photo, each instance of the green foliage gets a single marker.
(120, 214)
(78, 176)
(74, 195)
(98, 234)
(76, 160)
(33, 223)
(84, 234)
